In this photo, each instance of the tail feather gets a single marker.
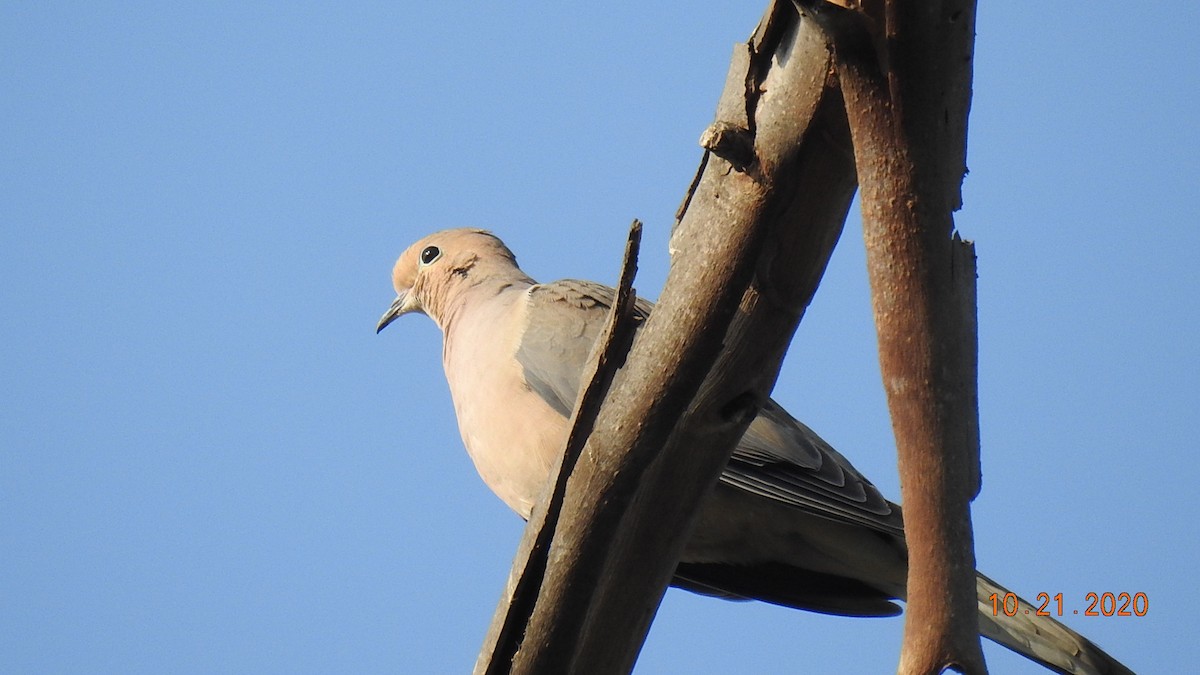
(1041, 638)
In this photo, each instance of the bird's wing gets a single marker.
(782, 459)
(564, 321)
(779, 458)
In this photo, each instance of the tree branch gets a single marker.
(753, 238)
(512, 615)
(905, 68)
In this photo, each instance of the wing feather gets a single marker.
(779, 458)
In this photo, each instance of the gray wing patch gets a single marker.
(779, 458)
(564, 321)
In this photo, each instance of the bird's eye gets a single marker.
(430, 254)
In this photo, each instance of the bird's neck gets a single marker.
(475, 296)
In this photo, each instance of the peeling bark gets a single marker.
(753, 237)
(905, 69)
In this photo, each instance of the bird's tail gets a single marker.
(1039, 637)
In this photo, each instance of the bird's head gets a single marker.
(433, 272)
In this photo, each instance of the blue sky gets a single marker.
(210, 463)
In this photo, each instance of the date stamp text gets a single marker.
(1098, 604)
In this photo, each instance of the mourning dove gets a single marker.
(790, 522)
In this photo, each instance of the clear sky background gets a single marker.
(209, 462)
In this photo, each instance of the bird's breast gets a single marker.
(511, 434)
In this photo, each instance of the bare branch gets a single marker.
(754, 235)
(905, 68)
(529, 566)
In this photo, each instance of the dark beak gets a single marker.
(394, 312)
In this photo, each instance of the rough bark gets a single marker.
(905, 69)
(753, 238)
(508, 626)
